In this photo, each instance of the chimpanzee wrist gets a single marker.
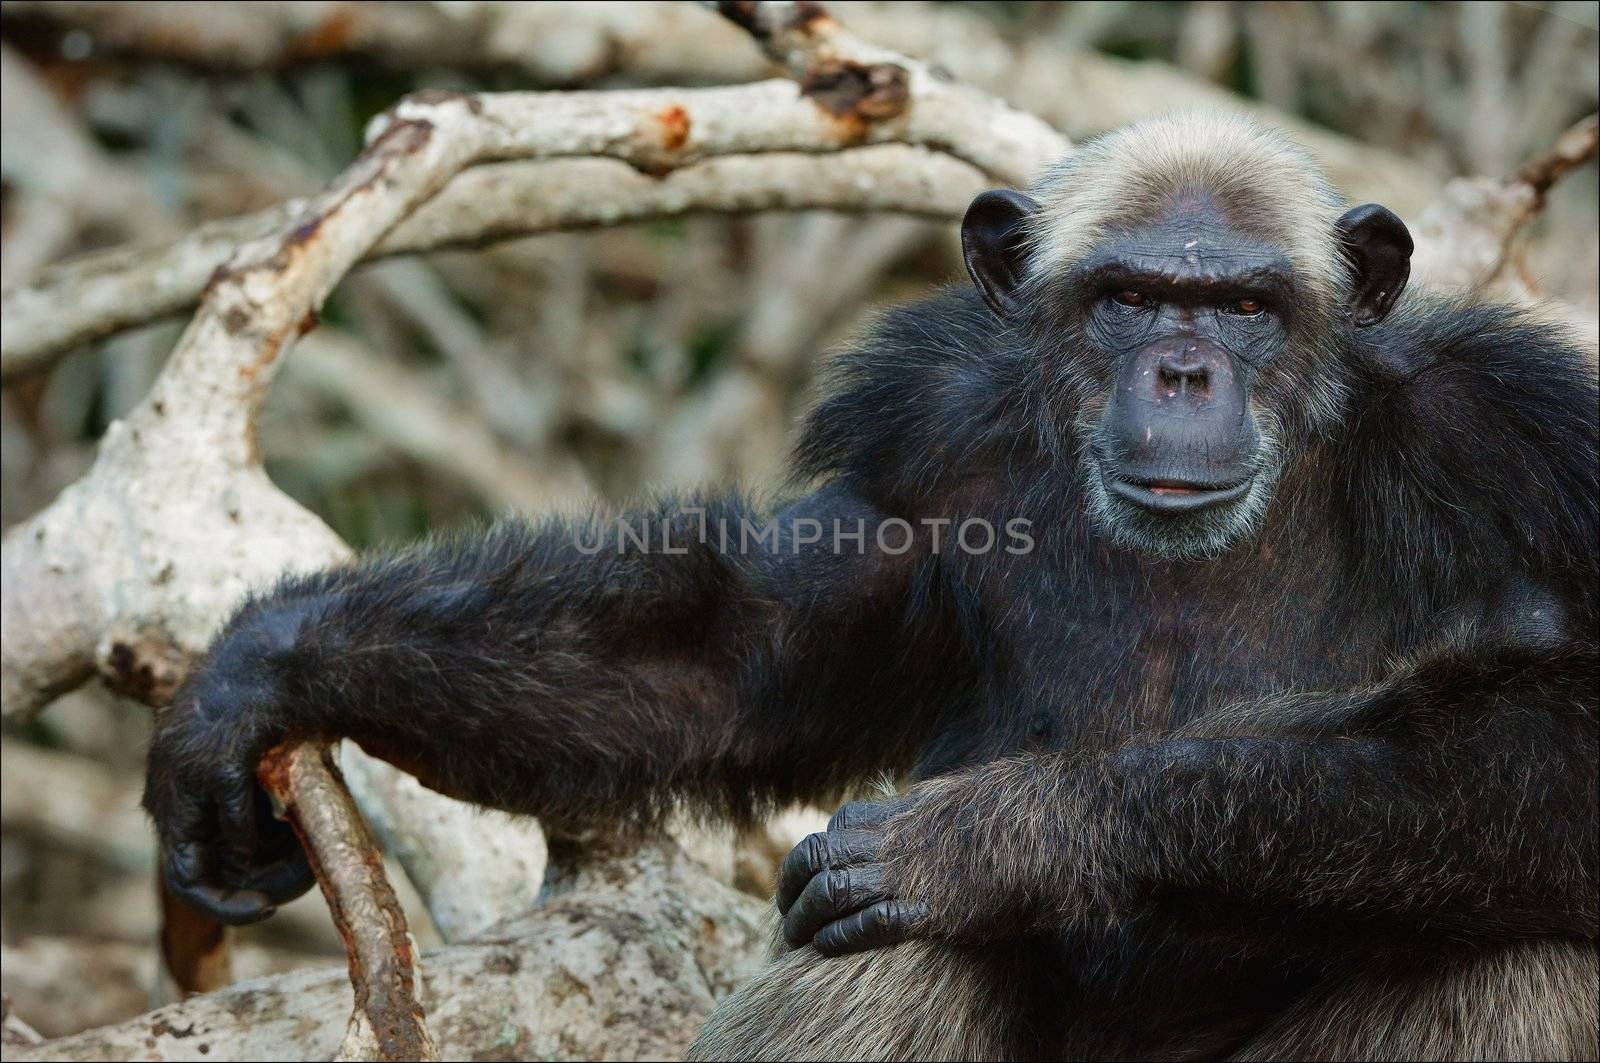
(1035, 866)
(943, 853)
(250, 690)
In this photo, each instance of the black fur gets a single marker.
(1365, 734)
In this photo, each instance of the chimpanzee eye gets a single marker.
(1130, 298)
(1246, 307)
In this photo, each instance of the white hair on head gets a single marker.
(1264, 183)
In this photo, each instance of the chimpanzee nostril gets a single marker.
(1183, 372)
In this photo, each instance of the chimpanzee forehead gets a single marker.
(1228, 183)
(1197, 223)
(1193, 245)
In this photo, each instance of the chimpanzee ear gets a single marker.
(1378, 247)
(994, 246)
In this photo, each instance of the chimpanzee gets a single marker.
(1232, 617)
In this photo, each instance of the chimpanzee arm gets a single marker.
(1458, 796)
(541, 669)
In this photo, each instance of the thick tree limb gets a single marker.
(626, 963)
(102, 293)
(67, 984)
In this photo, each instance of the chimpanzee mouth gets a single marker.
(1172, 496)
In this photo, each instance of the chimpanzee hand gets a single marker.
(222, 850)
(832, 888)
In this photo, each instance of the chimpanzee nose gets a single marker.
(1184, 371)
(1179, 414)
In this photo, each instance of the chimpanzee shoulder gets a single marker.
(932, 391)
(1474, 442)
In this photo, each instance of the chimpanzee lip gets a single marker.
(1169, 495)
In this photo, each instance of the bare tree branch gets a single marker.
(387, 1023)
(553, 43)
(1466, 239)
(1572, 149)
(15, 1031)
(102, 293)
(863, 85)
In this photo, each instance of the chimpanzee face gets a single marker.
(1184, 347)
(1176, 321)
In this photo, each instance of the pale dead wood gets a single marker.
(71, 983)
(625, 963)
(99, 294)
(13, 1030)
(74, 802)
(662, 42)
(1470, 236)
(862, 84)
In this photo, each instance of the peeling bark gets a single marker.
(387, 1022)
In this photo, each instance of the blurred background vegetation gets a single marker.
(542, 372)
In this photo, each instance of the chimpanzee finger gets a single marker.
(283, 879)
(863, 815)
(832, 895)
(885, 923)
(185, 866)
(236, 799)
(821, 852)
(281, 868)
(226, 905)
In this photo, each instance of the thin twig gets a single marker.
(387, 1023)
